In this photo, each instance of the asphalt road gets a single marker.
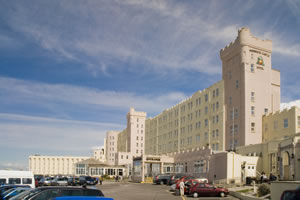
(137, 191)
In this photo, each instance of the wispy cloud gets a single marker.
(162, 35)
(16, 91)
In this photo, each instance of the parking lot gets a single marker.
(137, 191)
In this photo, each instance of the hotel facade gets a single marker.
(226, 132)
(219, 132)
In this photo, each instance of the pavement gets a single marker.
(147, 191)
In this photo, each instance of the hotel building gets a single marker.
(195, 122)
(251, 88)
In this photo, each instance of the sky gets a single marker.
(70, 70)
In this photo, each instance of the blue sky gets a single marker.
(70, 70)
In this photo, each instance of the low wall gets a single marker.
(277, 187)
(243, 196)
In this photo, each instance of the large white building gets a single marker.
(122, 146)
(54, 165)
(224, 117)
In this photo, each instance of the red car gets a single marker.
(190, 181)
(204, 189)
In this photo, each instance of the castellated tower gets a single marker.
(252, 88)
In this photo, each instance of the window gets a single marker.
(14, 181)
(206, 97)
(206, 110)
(266, 111)
(137, 151)
(214, 94)
(229, 75)
(206, 135)
(230, 100)
(252, 110)
(285, 123)
(137, 125)
(206, 122)
(298, 121)
(217, 92)
(231, 115)
(190, 140)
(252, 127)
(217, 132)
(217, 118)
(137, 137)
(275, 125)
(266, 127)
(137, 144)
(231, 130)
(236, 128)
(236, 113)
(217, 105)
(237, 84)
(217, 146)
(47, 194)
(198, 138)
(200, 167)
(2, 181)
(252, 96)
(26, 180)
(252, 68)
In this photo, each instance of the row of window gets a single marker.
(215, 120)
(285, 124)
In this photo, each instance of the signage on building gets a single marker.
(259, 52)
(153, 159)
(260, 61)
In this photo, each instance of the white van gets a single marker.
(17, 177)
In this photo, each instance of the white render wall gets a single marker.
(99, 153)
(111, 146)
(54, 165)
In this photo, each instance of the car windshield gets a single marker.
(21, 195)
(8, 191)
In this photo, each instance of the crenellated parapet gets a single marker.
(245, 38)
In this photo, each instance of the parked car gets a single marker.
(204, 189)
(73, 181)
(46, 181)
(162, 179)
(87, 180)
(21, 195)
(47, 193)
(82, 198)
(4, 188)
(13, 192)
(174, 178)
(189, 183)
(290, 195)
(63, 181)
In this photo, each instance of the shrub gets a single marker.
(263, 189)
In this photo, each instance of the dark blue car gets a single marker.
(82, 198)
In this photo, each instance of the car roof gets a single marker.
(82, 198)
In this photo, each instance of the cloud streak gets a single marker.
(16, 91)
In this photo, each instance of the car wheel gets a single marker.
(222, 194)
(195, 195)
(161, 182)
